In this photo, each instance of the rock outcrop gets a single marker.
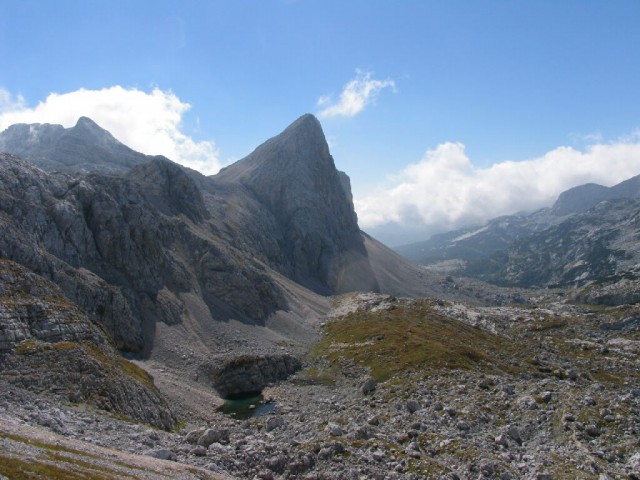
(249, 373)
(48, 345)
(124, 248)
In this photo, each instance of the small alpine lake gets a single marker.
(246, 405)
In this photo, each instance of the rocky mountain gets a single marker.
(582, 198)
(85, 147)
(151, 292)
(597, 245)
(294, 177)
(48, 344)
(189, 272)
(586, 236)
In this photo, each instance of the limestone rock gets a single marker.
(293, 174)
(213, 435)
(250, 373)
(84, 147)
(48, 345)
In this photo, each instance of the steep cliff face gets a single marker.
(125, 248)
(294, 176)
(49, 345)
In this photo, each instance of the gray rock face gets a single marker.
(250, 374)
(33, 309)
(48, 345)
(125, 247)
(293, 174)
(83, 148)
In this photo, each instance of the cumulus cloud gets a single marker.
(356, 95)
(150, 123)
(445, 190)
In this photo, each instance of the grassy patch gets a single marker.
(32, 469)
(413, 338)
(42, 445)
(28, 346)
(55, 461)
(115, 364)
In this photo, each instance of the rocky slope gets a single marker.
(598, 245)
(585, 237)
(48, 345)
(84, 147)
(546, 391)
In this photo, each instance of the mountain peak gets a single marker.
(86, 124)
(296, 150)
(85, 147)
(86, 121)
(294, 175)
(305, 123)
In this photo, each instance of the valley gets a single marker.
(137, 295)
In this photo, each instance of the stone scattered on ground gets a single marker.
(570, 410)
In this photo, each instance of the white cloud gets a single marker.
(445, 190)
(356, 95)
(150, 123)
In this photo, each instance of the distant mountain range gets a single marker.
(589, 235)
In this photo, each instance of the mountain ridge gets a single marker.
(496, 234)
(583, 238)
(54, 147)
(167, 260)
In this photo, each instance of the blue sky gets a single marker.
(480, 94)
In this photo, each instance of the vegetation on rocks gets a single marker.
(413, 338)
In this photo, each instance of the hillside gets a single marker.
(586, 237)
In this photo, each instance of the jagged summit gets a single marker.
(294, 176)
(299, 147)
(85, 147)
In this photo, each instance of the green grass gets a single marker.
(54, 462)
(413, 338)
(38, 469)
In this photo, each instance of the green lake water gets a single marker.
(246, 406)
